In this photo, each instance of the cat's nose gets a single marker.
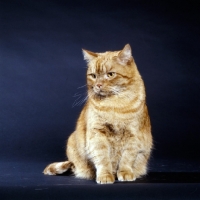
(99, 85)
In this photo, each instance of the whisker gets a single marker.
(79, 101)
(82, 86)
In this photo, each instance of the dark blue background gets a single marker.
(42, 68)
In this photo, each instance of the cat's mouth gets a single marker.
(102, 94)
(99, 92)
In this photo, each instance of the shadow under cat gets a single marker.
(161, 177)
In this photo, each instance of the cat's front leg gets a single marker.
(125, 170)
(98, 147)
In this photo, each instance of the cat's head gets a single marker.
(110, 73)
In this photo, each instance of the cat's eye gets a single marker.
(93, 75)
(110, 74)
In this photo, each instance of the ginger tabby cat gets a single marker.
(112, 139)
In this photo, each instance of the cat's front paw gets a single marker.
(105, 179)
(126, 176)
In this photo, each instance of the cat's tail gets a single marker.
(58, 168)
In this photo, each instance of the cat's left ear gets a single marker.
(88, 55)
(125, 55)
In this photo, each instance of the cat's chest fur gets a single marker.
(113, 123)
(117, 128)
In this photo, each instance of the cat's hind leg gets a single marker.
(76, 154)
(140, 164)
(58, 168)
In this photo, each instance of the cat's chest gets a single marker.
(117, 133)
(116, 123)
(113, 124)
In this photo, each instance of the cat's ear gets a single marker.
(88, 55)
(125, 55)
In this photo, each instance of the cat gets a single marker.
(112, 139)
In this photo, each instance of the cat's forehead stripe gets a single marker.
(100, 65)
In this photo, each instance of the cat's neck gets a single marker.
(130, 99)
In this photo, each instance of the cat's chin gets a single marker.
(101, 95)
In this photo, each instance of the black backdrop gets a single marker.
(42, 73)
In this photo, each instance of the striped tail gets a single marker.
(58, 168)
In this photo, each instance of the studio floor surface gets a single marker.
(24, 180)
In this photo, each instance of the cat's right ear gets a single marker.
(125, 55)
(88, 55)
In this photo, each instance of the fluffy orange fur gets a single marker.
(112, 139)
